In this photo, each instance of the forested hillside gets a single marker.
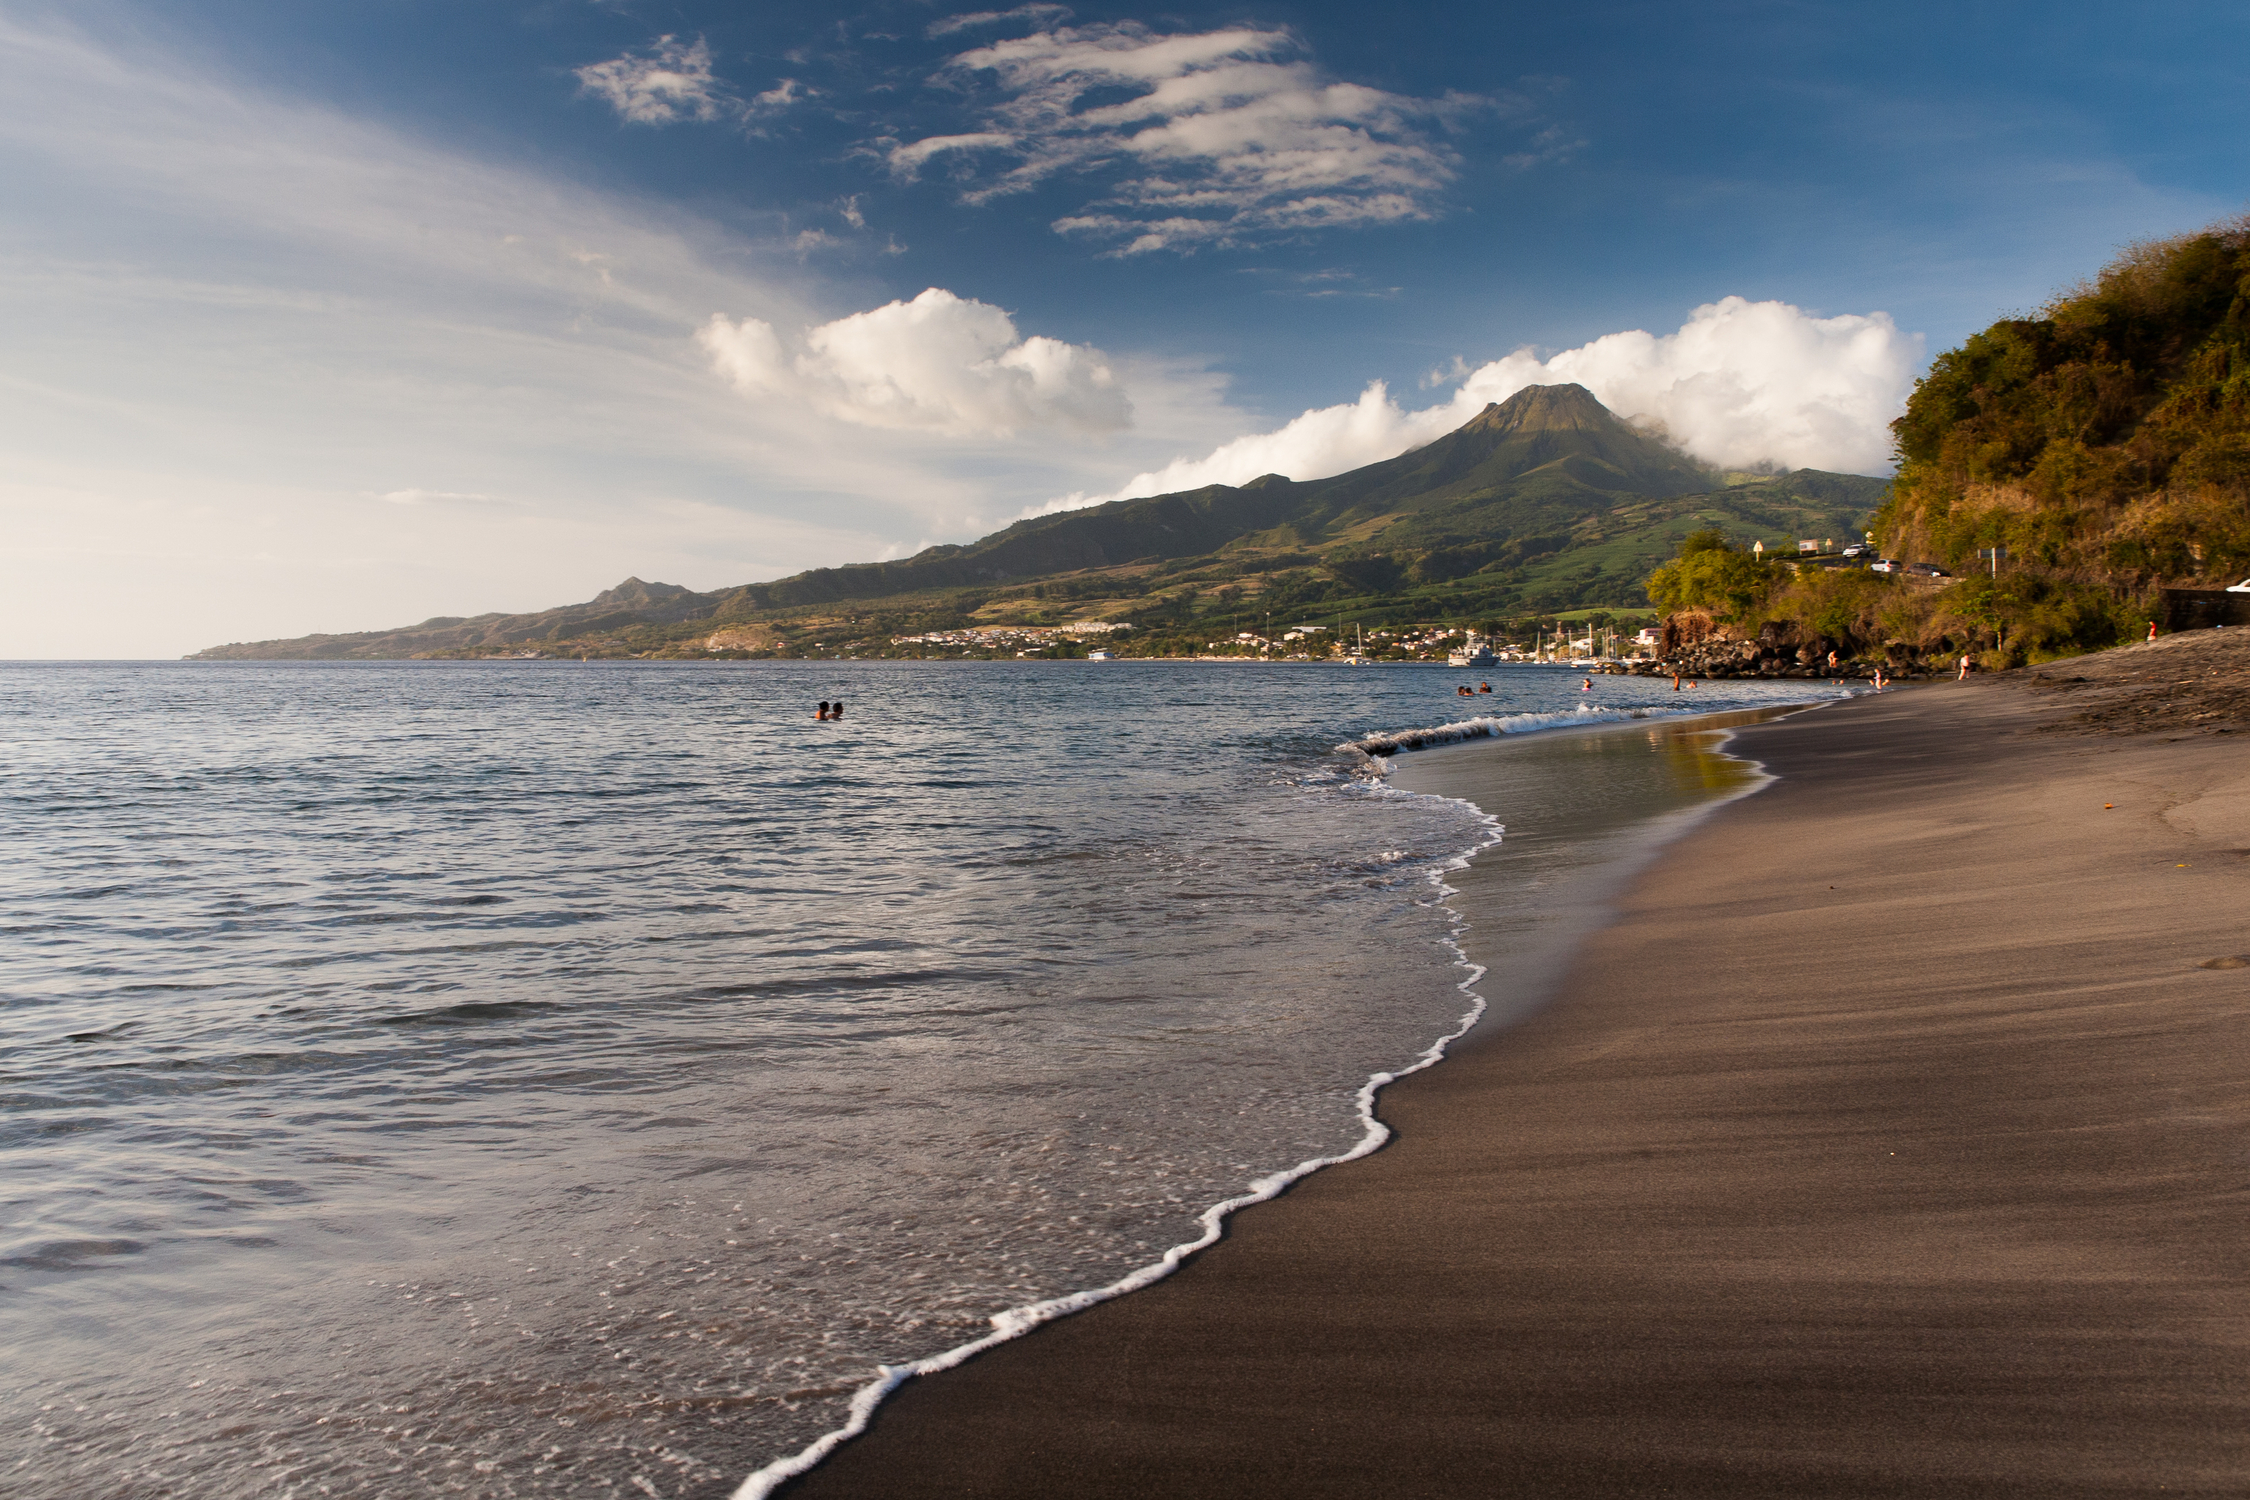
(2107, 439)
(2103, 445)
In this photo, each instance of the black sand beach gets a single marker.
(1894, 1140)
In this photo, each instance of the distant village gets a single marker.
(1300, 642)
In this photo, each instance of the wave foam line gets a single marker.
(1018, 1321)
(1491, 726)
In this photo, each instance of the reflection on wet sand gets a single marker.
(1584, 810)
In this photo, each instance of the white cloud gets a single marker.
(1744, 383)
(1740, 384)
(672, 81)
(781, 95)
(1219, 140)
(940, 363)
(973, 19)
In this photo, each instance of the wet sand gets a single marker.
(1894, 1140)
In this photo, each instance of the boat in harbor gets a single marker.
(1359, 657)
(1101, 656)
(1476, 652)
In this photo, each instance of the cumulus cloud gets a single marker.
(1740, 384)
(1743, 383)
(939, 363)
(1221, 138)
(671, 81)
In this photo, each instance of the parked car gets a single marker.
(1858, 549)
(1927, 570)
(1885, 565)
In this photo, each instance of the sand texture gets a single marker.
(1894, 1140)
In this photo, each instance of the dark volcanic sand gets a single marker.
(1894, 1141)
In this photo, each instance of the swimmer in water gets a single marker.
(1485, 688)
(1587, 686)
(823, 714)
(836, 709)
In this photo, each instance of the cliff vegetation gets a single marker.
(2101, 445)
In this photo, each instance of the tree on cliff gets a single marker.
(1711, 575)
(2105, 441)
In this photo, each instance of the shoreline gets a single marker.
(1697, 733)
(1659, 1237)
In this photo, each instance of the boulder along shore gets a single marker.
(1893, 1140)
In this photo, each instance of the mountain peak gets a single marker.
(634, 593)
(1545, 408)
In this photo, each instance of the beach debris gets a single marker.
(2229, 961)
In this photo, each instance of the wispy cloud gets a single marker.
(1222, 138)
(671, 81)
(1553, 145)
(261, 355)
(1038, 14)
(436, 497)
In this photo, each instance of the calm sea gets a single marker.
(575, 1078)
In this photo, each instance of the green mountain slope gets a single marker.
(1541, 503)
(1545, 458)
(2105, 442)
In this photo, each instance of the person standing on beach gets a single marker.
(2152, 630)
(1964, 677)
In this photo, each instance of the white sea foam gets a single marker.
(1493, 726)
(1017, 1321)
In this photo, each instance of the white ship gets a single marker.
(1476, 653)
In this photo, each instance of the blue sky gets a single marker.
(336, 317)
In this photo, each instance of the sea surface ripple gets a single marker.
(564, 1078)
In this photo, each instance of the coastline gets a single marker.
(1888, 1142)
(1598, 844)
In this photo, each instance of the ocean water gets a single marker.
(575, 1078)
